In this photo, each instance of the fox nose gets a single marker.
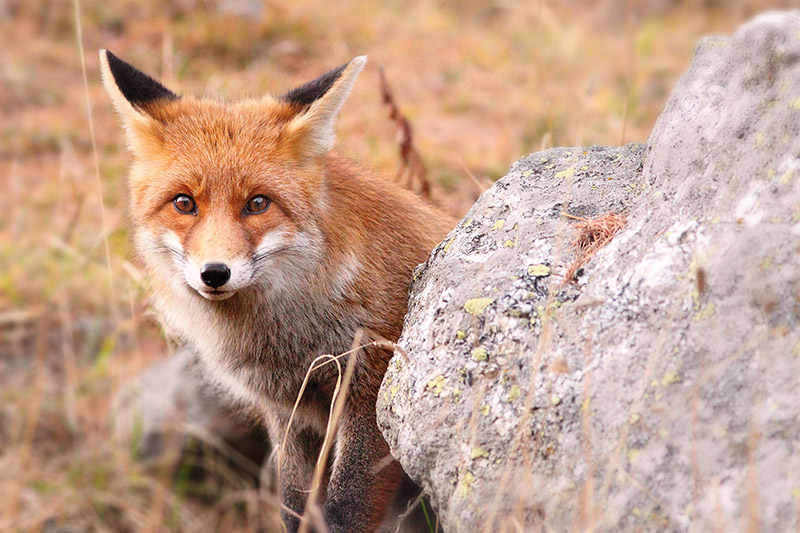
(215, 275)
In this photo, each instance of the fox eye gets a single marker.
(257, 204)
(185, 204)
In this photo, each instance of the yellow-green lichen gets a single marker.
(786, 177)
(461, 335)
(465, 485)
(705, 312)
(796, 493)
(566, 174)
(475, 306)
(539, 270)
(393, 390)
(447, 245)
(717, 42)
(514, 394)
(478, 452)
(698, 261)
(485, 408)
(695, 294)
(759, 139)
(510, 244)
(670, 378)
(437, 384)
(795, 103)
(796, 349)
(479, 353)
(632, 454)
(555, 399)
(527, 173)
(585, 404)
(498, 224)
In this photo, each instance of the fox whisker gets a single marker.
(263, 256)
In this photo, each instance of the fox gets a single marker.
(265, 249)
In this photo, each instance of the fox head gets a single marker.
(226, 196)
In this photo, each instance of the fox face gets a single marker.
(228, 197)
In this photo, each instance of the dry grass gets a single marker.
(481, 83)
(590, 235)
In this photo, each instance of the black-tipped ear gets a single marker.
(137, 87)
(307, 94)
(311, 131)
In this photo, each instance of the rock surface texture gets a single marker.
(659, 390)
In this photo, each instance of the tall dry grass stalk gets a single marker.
(112, 309)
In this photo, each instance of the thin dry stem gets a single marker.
(480, 186)
(412, 166)
(95, 158)
(337, 407)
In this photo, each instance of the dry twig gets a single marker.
(412, 167)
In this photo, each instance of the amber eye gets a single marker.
(185, 204)
(257, 204)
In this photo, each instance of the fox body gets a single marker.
(265, 250)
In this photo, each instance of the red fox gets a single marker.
(266, 249)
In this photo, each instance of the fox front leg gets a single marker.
(296, 467)
(365, 477)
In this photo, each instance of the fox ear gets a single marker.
(133, 93)
(311, 131)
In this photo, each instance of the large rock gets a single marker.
(658, 390)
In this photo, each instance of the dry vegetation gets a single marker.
(482, 83)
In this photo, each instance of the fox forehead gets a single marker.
(221, 151)
(248, 131)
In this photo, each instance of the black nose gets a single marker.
(215, 275)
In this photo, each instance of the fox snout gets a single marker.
(217, 279)
(215, 275)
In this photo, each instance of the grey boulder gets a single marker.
(657, 388)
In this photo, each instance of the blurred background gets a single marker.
(481, 83)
